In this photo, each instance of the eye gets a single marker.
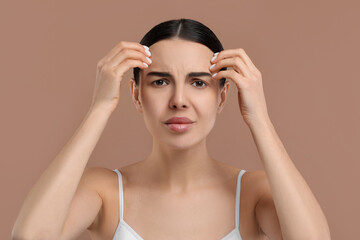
(160, 80)
(204, 84)
(163, 80)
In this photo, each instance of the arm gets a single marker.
(297, 210)
(45, 208)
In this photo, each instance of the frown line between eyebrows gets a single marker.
(167, 74)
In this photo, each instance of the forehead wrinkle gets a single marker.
(179, 58)
(182, 69)
(189, 74)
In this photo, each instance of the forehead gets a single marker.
(179, 55)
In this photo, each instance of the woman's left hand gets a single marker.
(248, 80)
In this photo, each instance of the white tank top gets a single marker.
(125, 232)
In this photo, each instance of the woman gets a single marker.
(179, 191)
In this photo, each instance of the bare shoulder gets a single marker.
(256, 176)
(260, 181)
(257, 181)
(105, 180)
(253, 183)
(99, 173)
(102, 179)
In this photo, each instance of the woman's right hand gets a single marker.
(111, 69)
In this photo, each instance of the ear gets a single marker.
(223, 96)
(135, 94)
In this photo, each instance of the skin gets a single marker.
(181, 181)
(179, 171)
(178, 191)
(180, 161)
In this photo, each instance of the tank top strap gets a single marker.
(121, 194)
(237, 199)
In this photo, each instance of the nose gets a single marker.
(178, 99)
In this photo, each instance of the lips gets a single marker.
(179, 120)
(179, 127)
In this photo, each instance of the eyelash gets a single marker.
(205, 84)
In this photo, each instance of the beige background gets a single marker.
(307, 51)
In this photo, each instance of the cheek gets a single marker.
(153, 106)
(206, 109)
(206, 104)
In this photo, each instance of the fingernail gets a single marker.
(149, 60)
(145, 64)
(214, 75)
(147, 50)
(212, 66)
(215, 55)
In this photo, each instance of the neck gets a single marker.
(179, 169)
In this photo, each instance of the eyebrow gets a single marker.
(191, 74)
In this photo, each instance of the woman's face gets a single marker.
(160, 97)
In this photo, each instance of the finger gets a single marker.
(127, 64)
(236, 63)
(247, 59)
(231, 74)
(228, 53)
(128, 54)
(121, 45)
